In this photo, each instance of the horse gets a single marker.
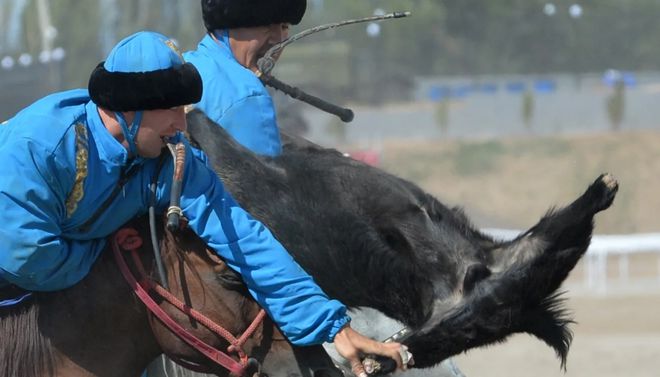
(371, 239)
(99, 328)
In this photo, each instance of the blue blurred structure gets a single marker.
(516, 87)
(612, 76)
(488, 88)
(439, 93)
(545, 86)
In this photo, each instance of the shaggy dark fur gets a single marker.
(162, 89)
(228, 14)
(372, 239)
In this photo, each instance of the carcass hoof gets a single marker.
(602, 192)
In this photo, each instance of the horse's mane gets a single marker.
(186, 240)
(25, 350)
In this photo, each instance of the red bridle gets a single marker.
(128, 239)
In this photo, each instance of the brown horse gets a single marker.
(99, 328)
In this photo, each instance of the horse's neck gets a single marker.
(102, 330)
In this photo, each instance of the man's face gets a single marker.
(253, 42)
(276, 33)
(156, 127)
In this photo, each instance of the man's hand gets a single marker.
(351, 345)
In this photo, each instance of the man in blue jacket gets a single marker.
(67, 153)
(239, 33)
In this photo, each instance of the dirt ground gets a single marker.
(614, 337)
(617, 334)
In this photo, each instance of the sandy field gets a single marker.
(615, 336)
(511, 183)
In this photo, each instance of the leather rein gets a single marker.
(129, 240)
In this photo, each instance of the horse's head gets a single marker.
(201, 280)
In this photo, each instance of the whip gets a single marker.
(266, 64)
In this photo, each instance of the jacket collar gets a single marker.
(110, 149)
(216, 43)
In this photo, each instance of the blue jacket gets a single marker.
(60, 163)
(234, 97)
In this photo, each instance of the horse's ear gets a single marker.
(215, 258)
(229, 278)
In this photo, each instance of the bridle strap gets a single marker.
(130, 241)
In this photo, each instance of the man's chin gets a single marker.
(264, 50)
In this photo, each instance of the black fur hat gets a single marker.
(228, 14)
(144, 72)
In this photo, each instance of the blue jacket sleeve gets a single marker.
(290, 296)
(252, 122)
(33, 254)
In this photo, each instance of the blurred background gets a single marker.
(505, 107)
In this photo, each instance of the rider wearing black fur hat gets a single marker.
(239, 33)
(230, 14)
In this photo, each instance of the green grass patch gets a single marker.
(477, 158)
(542, 147)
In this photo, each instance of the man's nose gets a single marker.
(278, 33)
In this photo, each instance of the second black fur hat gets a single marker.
(228, 14)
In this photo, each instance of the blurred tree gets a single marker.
(442, 37)
(82, 34)
(383, 65)
(337, 129)
(78, 23)
(528, 109)
(442, 116)
(615, 105)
